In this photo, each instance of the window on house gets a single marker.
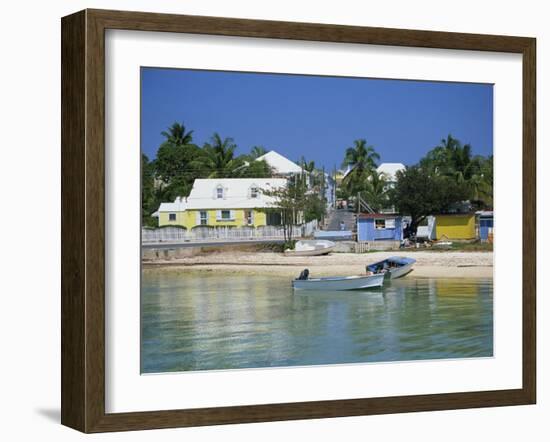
(273, 218)
(226, 214)
(219, 192)
(253, 192)
(379, 223)
(171, 217)
(204, 218)
(384, 223)
(248, 217)
(390, 223)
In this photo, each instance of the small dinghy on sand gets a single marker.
(393, 267)
(337, 283)
(311, 248)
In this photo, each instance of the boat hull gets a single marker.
(339, 283)
(311, 248)
(398, 272)
(401, 266)
(316, 252)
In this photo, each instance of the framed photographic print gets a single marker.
(268, 220)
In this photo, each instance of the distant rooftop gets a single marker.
(390, 170)
(280, 164)
(378, 215)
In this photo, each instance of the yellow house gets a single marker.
(226, 202)
(455, 226)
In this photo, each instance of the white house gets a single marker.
(389, 170)
(234, 202)
(281, 165)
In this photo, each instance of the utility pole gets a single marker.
(335, 184)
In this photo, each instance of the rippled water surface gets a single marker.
(206, 322)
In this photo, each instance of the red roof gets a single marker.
(378, 215)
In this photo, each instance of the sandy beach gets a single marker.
(430, 264)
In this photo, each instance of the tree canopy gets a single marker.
(361, 160)
(176, 134)
(172, 169)
(374, 190)
(296, 203)
(361, 156)
(455, 160)
(419, 192)
(148, 199)
(257, 152)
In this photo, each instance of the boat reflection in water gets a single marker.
(203, 321)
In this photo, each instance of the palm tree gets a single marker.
(257, 152)
(449, 143)
(314, 175)
(361, 156)
(480, 183)
(308, 166)
(465, 168)
(251, 169)
(177, 135)
(375, 191)
(218, 158)
(362, 159)
(462, 163)
(453, 159)
(172, 166)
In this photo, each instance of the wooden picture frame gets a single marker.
(83, 220)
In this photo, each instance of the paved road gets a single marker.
(177, 245)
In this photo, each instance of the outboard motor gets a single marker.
(304, 275)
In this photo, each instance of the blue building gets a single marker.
(485, 225)
(379, 227)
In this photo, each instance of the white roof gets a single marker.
(279, 163)
(348, 170)
(177, 206)
(390, 169)
(484, 213)
(236, 194)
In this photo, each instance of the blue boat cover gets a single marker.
(401, 260)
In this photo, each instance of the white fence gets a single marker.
(204, 234)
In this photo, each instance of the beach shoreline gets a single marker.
(430, 264)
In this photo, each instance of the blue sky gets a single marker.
(317, 117)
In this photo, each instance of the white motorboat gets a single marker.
(311, 248)
(337, 283)
(393, 267)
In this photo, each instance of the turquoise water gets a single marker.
(210, 322)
